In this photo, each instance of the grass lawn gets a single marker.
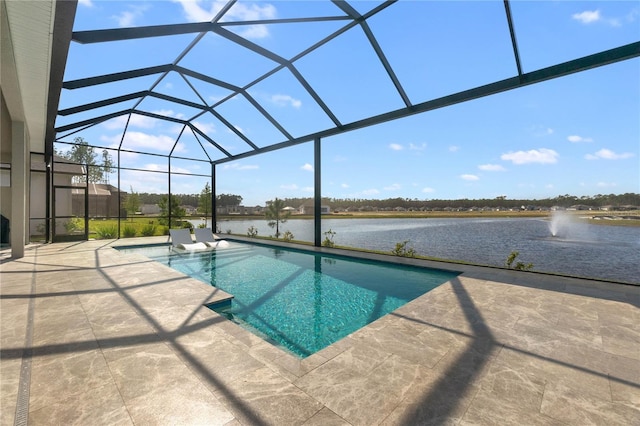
(131, 227)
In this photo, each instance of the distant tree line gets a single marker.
(599, 200)
(194, 200)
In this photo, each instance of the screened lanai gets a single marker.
(173, 96)
(311, 99)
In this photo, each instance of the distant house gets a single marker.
(307, 208)
(231, 210)
(103, 200)
(579, 207)
(189, 210)
(149, 209)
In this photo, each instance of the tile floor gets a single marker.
(91, 336)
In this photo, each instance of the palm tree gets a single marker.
(275, 215)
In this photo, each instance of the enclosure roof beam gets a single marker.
(585, 63)
(512, 31)
(281, 61)
(211, 141)
(92, 121)
(349, 10)
(120, 34)
(102, 103)
(118, 76)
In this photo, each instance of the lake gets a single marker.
(579, 249)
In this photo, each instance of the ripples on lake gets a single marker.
(580, 249)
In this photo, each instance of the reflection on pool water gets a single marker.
(302, 301)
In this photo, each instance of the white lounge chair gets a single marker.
(206, 236)
(181, 240)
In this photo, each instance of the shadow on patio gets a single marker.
(90, 335)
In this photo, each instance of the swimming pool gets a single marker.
(300, 300)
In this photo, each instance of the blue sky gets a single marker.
(576, 135)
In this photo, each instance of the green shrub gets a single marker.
(74, 224)
(251, 232)
(519, 266)
(328, 238)
(148, 230)
(128, 231)
(107, 232)
(287, 236)
(401, 249)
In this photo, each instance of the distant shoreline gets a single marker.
(621, 218)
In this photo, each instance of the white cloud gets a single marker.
(165, 112)
(344, 185)
(284, 100)
(155, 167)
(428, 190)
(393, 187)
(86, 3)
(239, 166)
(127, 18)
(370, 192)
(136, 120)
(578, 139)
(541, 131)
(175, 128)
(181, 170)
(290, 187)
(587, 17)
(607, 154)
(540, 156)
(216, 98)
(134, 140)
(417, 147)
(614, 22)
(339, 159)
(206, 128)
(491, 168)
(307, 167)
(238, 128)
(590, 16)
(606, 184)
(396, 147)
(454, 148)
(469, 177)
(197, 11)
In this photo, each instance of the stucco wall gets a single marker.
(5, 156)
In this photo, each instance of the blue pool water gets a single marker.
(300, 300)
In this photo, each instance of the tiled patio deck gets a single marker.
(90, 336)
